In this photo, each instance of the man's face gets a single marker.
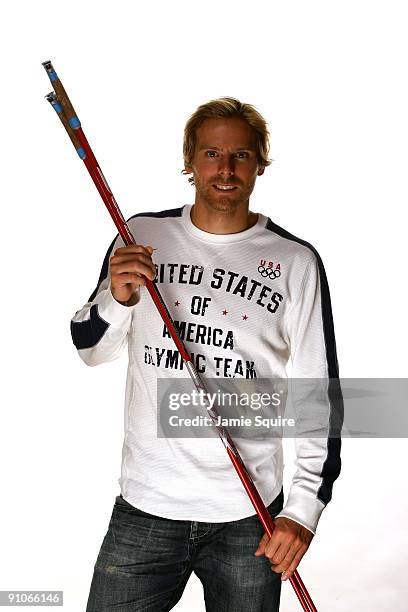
(225, 163)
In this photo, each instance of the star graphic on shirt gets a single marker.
(224, 312)
(176, 303)
(245, 317)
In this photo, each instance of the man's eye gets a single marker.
(211, 153)
(242, 154)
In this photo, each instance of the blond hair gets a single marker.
(226, 107)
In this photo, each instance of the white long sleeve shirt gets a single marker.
(267, 292)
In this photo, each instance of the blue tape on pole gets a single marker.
(81, 153)
(74, 123)
(57, 107)
(53, 75)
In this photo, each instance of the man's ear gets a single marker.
(261, 170)
(188, 170)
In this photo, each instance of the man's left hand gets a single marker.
(288, 544)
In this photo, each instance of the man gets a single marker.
(220, 268)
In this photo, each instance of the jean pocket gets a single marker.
(119, 501)
(123, 506)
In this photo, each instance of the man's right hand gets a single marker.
(128, 268)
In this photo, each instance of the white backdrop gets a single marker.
(330, 78)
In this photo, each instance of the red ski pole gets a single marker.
(62, 105)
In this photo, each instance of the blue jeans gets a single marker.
(145, 562)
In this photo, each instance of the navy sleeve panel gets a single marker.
(332, 465)
(87, 334)
(170, 212)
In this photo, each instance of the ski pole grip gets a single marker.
(56, 105)
(62, 96)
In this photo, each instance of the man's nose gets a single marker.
(226, 165)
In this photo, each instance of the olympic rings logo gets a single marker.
(268, 272)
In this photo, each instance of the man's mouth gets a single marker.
(224, 187)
